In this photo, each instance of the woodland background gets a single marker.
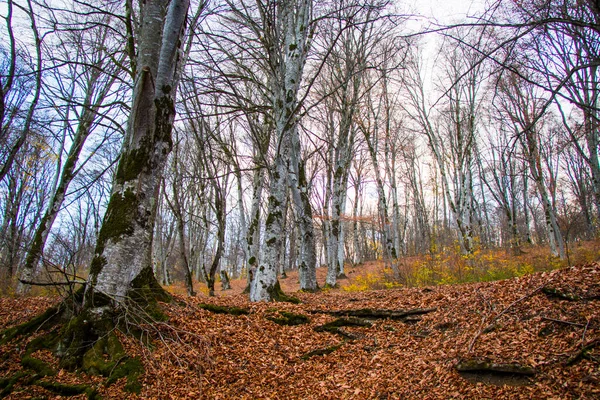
(442, 150)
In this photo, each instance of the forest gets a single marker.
(223, 155)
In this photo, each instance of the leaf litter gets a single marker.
(203, 354)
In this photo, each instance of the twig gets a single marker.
(582, 353)
(584, 331)
(561, 321)
(528, 295)
(32, 283)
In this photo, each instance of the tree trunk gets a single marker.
(287, 60)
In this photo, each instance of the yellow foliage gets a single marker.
(450, 267)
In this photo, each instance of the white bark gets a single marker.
(124, 247)
(292, 20)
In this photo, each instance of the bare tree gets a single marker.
(91, 50)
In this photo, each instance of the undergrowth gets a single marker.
(450, 267)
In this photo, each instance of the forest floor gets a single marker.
(540, 322)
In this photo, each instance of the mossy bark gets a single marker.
(276, 294)
(121, 290)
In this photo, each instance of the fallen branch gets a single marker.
(489, 327)
(482, 365)
(583, 352)
(560, 321)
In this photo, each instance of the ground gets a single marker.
(204, 354)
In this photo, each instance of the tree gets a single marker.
(522, 107)
(89, 50)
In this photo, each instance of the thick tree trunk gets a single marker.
(264, 282)
(287, 61)
(123, 249)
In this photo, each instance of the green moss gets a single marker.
(146, 292)
(7, 384)
(224, 310)
(98, 263)
(48, 319)
(108, 358)
(75, 338)
(315, 290)
(130, 368)
(276, 294)
(37, 365)
(132, 164)
(118, 221)
(68, 390)
(290, 319)
(252, 260)
(47, 341)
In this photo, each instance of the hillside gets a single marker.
(540, 322)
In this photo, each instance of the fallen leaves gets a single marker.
(246, 356)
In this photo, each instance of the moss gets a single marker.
(122, 208)
(7, 384)
(290, 319)
(130, 368)
(145, 293)
(68, 390)
(75, 337)
(224, 310)
(37, 365)
(132, 164)
(94, 360)
(108, 358)
(48, 319)
(315, 290)
(47, 341)
(276, 294)
(145, 287)
(97, 264)
(321, 352)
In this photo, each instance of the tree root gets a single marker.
(368, 313)
(224, 310)
(289, 319)
(321, 352)
(560, 294)
(336, 325)
(84, 337)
